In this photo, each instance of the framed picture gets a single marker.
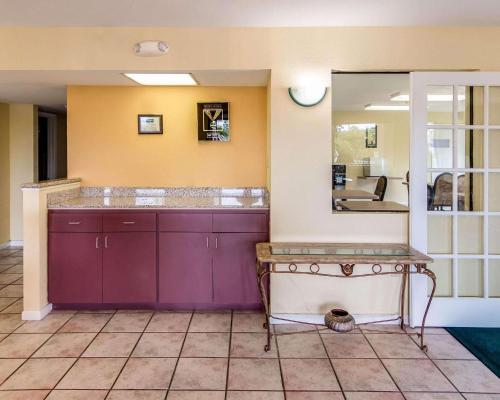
(371, 137)
(213, 122)
(150, 124)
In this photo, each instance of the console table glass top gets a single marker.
(341, 250)
(339, 253)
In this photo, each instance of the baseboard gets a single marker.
(36, 315)
(319, 319)
(11, 243)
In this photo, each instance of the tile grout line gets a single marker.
(439, 369)
(333, 368)
(29, 356)
(131, 351)
(381, 362)
(273, 337)
(84, 350)
(229, 354)
(179, 355)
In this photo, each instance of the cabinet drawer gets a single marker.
(240, 223)
(75, 222)
(185, 222)
(129, 222)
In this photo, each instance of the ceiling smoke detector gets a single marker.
(150, 48)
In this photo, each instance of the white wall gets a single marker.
(301, 143)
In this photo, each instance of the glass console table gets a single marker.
(385, 259)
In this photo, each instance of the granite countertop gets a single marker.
(52, 182)
(135, 198)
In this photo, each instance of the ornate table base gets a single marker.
(266, 268)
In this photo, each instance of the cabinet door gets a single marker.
(185, 268)
(235, 276)
(75, 268)
(129, 267)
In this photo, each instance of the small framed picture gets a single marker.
(371, 137)
(150, 124)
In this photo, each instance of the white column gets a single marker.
(36, 305)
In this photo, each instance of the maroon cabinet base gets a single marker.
(154, 259)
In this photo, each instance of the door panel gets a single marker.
(454, 121)
(129, 267)
(75, 268)
(185, 268)
(235, 276)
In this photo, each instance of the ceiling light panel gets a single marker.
(387, 107)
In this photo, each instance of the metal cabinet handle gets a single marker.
(128, 222)
(74, 222)
(106, 241)
(216, 242)
(97, 242)
(207, 243)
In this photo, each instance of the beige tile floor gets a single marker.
(125, 355)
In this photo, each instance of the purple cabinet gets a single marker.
(234, 276)
(179, 259)
(185, 268)
(75, 268)
(129, 267)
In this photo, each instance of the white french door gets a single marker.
(455, 195)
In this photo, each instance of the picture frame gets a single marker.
(371, 137)
(213, 122)
(150, 124)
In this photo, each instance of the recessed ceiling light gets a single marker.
(387, 107)
(430, 97)
(174, 79)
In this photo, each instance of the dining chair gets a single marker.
(443, 191)
(407, 182)
(461, 192)
(381, 188)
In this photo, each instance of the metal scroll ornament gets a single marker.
(339, 320)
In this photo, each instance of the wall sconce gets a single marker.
(307, 96)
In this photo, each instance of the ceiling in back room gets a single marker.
(353, 92)
(245, 13)
(48, 88)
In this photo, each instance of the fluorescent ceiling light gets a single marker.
(163, 79)
(430, 97)
(386, 107)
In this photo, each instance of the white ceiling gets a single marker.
(48, 88)
(256, 13)
(352, 92)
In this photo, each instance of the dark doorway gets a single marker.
(52, 159)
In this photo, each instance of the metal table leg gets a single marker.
(262, 272)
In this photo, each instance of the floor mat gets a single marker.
(484, 343)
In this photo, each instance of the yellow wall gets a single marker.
(105, 149)
(4, 174)
(23, 126)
